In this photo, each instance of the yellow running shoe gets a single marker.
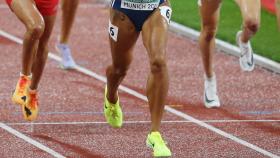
(19, 95)
(155, 141)
(31, 107)
(113, 112)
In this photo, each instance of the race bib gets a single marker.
(166, 12)
(199, 3)
(140, 4)
(113, 31)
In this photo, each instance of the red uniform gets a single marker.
(46, 7)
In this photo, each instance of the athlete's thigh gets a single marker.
(250, 9)
(69, 4)
(209, 12)
(27, 12)
(155, 30)
(123, 37)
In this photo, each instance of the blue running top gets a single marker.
(138, 11)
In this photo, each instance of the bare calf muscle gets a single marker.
(210, 12)
(38, 18)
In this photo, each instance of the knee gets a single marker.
(158, 65)
(252, 25)
(36, 30)
(208, 33)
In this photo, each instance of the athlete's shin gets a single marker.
(210, 14)
(29, 50)
(30, 45)
(207, 47)
(115, 76)
(38, 66)
(42, 54)
(157, 89)
(250, 28)
(69, 9)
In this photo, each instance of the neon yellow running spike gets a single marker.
(155, 141)
(113, 112)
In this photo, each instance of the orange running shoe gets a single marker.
(31, 107)
(19, 95)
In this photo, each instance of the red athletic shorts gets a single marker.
(46, 7)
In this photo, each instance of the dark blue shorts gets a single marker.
(138, 11)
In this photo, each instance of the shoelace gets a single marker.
(159, 139)
(23, 81)
(33, 100)
(113, 112)
(211, 88)
(245, 48)
(66, 54)
(247, 54)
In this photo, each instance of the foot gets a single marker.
(31, 107)
(155, 141)
(211, 99)
(19, 94)
(67, 61)
(246, 59)
(113, 112)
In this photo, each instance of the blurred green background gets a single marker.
(266, 42)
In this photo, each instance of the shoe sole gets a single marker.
(67, 67)
(148, 144)
(208, 105)
(246, 69)
(211, 106)
(15, 101)
(29, 117)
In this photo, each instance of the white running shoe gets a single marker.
(211, 99)
(67, 61)
(246, 59)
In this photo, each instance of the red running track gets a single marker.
(71, 121)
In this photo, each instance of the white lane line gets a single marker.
(167, 108)
(31, 141)
(20, 135)
(138, 122)
(3, 6)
